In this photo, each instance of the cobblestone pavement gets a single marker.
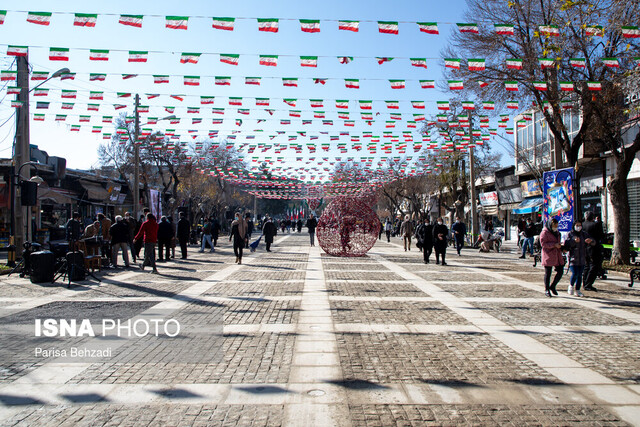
(297, 337)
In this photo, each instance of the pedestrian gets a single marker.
(165, 234)
(249, 223)
(593, 266)
(488, 226)
(417, 233)
(406, 231)
(215, 231)
(299, 225)
(459, 232)
(529, 236)
(312, 223)
(132, 226)
(206, 235)
(388, 227)
(269, 230)
(283, 225)
(551, 256)
(381, 229)
(73, 231)
(576, 244)
(239, 236)
(148, 233)
(288, 223)
(425, 235)
(440, 233)
(184, 230)
(105, 226)
(120, 239)
(173, 238)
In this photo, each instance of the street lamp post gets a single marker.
(474, 211)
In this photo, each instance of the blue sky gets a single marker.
(80, 147)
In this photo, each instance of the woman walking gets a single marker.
(440, 233)
(425, 235)
(551, 256)
(576, 243)
(239, 236)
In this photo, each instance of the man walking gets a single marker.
(440, 233)
(406, 231)
(529, 235)
(269, 230)
(594, 252)
(312, 223)
(388, 227)
(459, 232)
(131, 225)
(184, 230)
(425, 235)
(119, 240)
(206, 236)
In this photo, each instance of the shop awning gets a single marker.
(529, 205)
(95, 191)
(509, 206)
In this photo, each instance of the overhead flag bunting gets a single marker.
(630, 32)
(160, 79)
(308, 61)
(578, 62)
(611, 62)
(388, 27)
(452, 63)
(382, 59)
(419, 62)
(594, 86)
(428, 27)
(223, 23)
(252, 81)
(427, 84)
(456, 85)
(290, 82)
(310, 25)
(345, 59)
(85, 19)
(189, 58)
(39, 75)
(40, 18)
(392, 105)
(131, 20)
(268, 24)
(3, 15)
(319, 80)
(514, 64)
(96, 77)
(397, 84)
(511, 86)
(488, 105)
(365, 105)
(542, 86)
(177, 22)
(352, 83)
(566, 86)
(546, 63)
(417, 104)
(58, 54)
(98, 55)
(192, 80)
(349, 26)
(17, 50)
(468, 28)
(223, 80)
(443, 105)
(504, 29)
(269, 60)
(228, 58)
(476, 64)
(594, 30)
(549, 30)
(138, 56)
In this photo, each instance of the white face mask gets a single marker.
(440, 222)
(578, 228)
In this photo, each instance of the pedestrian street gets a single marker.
(295, 337)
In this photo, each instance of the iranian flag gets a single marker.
(566, 86)
(68, 76)
(308, 61)
(352, 83)
(96, 129)
(345, 59)
(108, 119)
(223, 23)
(310, 25)
(268, 24)
(418, 117)
(217, 111)
(295, 113)
(342, 103)
(594, 85)
(388, 27)
(40, 18)
(320, 80)
(131, 20)
(98, 55)
(252, 80)
(611, 62)
(160, 79)
(630, 32)
(395, 116)
(511, 86)
(411, 124)
(177, 22)
(235, 100)
(12, 90)
(365, 105)
(513, 105)
(289, 82)
(419, 62)
(97, 77)
(39, 75)
(316, 103)
(443, 105)
(269, 60)
(514, 64)
(476, 64)
(192, 80)
(327, 122)
(549, 30)
(17, 50)
(75, 128)
(128, 76)
(17, 104)
(428, 27)
(390, 124)
(207, 100)
(343, 115)
(223, 80)
(482, 83)
(94, 107)
(546, 63)
(542, 86)
(504, 29)
(452, 63)
(138, 56)
(594, 30)
(38, 117)
(3, 15)
(318, 115)
(290, 101)
(392, 105)
(58, 54)
(124, 94)
(418, 104)
(578, 62)
(468, 28)
(488, 105)
(349, 26)
(397, 84)
(193, 110)
(40, 105)
(85, 19)
(228, 58)
(456, 85)
(468, 105)
(262, 102)
(99, 96)
(382, 59)
(189, 58)
(427, 84)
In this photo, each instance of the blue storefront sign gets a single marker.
(558, 198)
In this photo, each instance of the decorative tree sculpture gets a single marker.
(348, 227)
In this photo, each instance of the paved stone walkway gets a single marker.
(298, 338)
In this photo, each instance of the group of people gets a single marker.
(583, 247)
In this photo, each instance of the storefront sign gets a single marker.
(489, 199)
(531, 188)
(558, 200)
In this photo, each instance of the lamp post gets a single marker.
(21, 150)
(136, 156)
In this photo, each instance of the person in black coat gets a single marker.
(184, 231)
(460, 231)
(119, 240)
(269, 230)
(425, 237)
(594, 252)
(165, 233)
(440, 233)
(312, 223)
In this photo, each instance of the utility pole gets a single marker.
(22, 154)
(136, 160)
(474, 211)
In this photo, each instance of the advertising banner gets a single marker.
(558, 200)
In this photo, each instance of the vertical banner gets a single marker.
(155, 207)
(558, 201)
